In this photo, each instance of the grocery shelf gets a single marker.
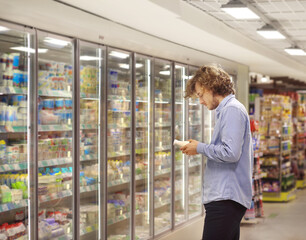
(118, 219)
(300, 184)
(118, 155)
(89, 96)
(279, 196)
(54, 162)
(44, 163)
(88, 157)
(13, 90)
(54, 93)
(65, 193)
(47, 128)
(165, 148)
(162, 204)
(116, 126)
(166, 101)
(12, 206)
(162, 124)
(124, 180)
(117, 98)
(288, 175)
(88, 229)
(13, 129)
(89, 126)
(13, 167)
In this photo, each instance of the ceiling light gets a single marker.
(89, 58)
(2, 29)
(55, 41)
(31, 50)
(164, 73)
(127, 66)
(238, 10)
(118, 54)
(295, 51)
(269, 32)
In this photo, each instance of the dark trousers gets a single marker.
(222, 220)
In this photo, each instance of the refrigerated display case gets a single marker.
(163, 145)
(180, 73)
(16, 62)
(55, 144)
(194, 162)
(70, 167)
(119, 151)
(92, 62)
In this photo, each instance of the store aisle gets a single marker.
(283, 221)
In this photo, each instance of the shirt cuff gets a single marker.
(201, 147)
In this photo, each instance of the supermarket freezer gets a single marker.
(90, 140)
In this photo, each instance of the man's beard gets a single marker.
(214, 104)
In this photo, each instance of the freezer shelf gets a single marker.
(44, 163)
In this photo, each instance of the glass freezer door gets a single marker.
(143, 147)
(91, 62)
(119, 153)
(55, 111)
(194, 162)
(16, 59)
(180, 134)
(163, 144)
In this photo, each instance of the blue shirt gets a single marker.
(228, 171)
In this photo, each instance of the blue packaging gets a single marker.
(59, 104)
(16, 79)
(68, 103)
(48, 104)
(16, 62)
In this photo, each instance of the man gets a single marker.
(227, 188)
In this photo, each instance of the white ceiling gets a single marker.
(201, 25)
(288, 16)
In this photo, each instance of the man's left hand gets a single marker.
(190, 148)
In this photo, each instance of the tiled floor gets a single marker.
(282, 221)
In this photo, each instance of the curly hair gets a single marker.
(213, 78)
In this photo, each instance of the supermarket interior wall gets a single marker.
(61, 19)
(242, 93)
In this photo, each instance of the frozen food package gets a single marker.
(180, 143)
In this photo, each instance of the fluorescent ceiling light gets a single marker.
(2, 29)
(118, 54)
(295, 51)
(238, 10)
(127, 66)
(31, 50)
(164, 72)
(178, 67)
(89, 58)
(269, 32)
(55, 41)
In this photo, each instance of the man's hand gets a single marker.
(190, 148)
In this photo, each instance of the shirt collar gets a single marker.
(224, 102)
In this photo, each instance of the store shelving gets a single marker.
(275, 128)
(256, 209)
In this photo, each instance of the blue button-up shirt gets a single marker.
(228, 171)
